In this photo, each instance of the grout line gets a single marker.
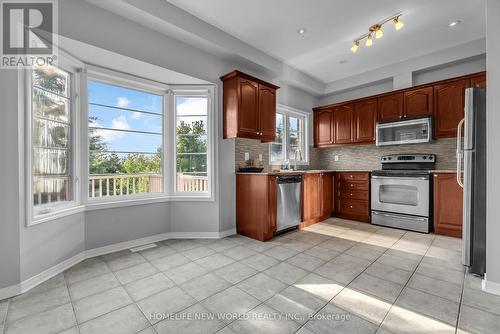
(71, 301)
(460, 302)
(6, 315)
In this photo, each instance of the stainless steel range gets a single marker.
(401, 192)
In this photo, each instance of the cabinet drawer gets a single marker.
(353, 206)
(354, 194)
(353, 176)
(353, 185)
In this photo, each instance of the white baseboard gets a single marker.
(47, 274)
(125, 245)
(490, 286)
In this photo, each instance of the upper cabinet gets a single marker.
(390, 107)
(449, 103)
(478, 80)
(365, 119)
(343, 124)
(418, 102)
(354, 122)
(249, 107)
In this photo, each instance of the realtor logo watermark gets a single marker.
(28, 33)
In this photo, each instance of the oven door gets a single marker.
(401, 194)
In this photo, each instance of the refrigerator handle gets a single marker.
(459, 153)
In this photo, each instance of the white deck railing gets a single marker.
(128, 184)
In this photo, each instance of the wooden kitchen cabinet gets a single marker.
(343, 127)
(249, 107)
(317, 200)
(365, 120)
(390, 107)
(418, 102)
(353, 196)
(256, 205)
(449, 103)
(448, 203)
(323, 127)
(478, 80)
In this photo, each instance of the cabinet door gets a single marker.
(418, 102)
(478, 80)
(365, 119)
(312, 196)
(327, 194)
(447, 205)
(267, 113)
(343, 124)
(449, 102)
(248, 115)
(323, 127)
(390, 107)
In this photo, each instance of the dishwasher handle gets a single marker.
(289, 179)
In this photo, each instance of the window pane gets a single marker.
(48, 105)
(277, 152)
(121, 97)
(125, 141)
(51, 79)
(102, 117)
(191, 143)
(296, 141)
(51, 136)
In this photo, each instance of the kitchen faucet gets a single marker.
(296, 157)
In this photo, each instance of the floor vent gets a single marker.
(143, 247)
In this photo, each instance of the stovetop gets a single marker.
(402, 173)
(407, 164)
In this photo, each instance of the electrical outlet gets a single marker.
(247, 156)
(260, 157)
(336, 157)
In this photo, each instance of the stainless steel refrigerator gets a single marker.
(471, 156)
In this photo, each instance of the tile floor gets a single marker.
(338, 276)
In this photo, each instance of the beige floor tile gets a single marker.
(231, 300)
(401, 320)
(261, 286)
(265, 320)
(398, 262)
(48, 322)
(190, 322)
(135, 273)
(185, 272)
(286, 273)
(280, 253)
(344, 268)
(92, 286)
(367, 252)
(86, 270)
(473, 320)
(125, 261)
(447, 290)
(214, 261)
(127, 320)
(164, 303)
(204, 286)
(305, 261)
(260, 262)
(148, 286)
(319, 286)
(377, 287)
(322, 253)
(198, 253)
(235, 272)
(441, 273)
(157, 252)
(170, 261)
(482, 300)
(333, 319)
(239, 252)
(429, 305)
(363, 305)
(93, 306)
(389, 273)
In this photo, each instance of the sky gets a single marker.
(192, 108)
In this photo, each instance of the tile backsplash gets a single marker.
(367, 157)
(353, 157)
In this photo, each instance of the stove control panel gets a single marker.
(408, 158)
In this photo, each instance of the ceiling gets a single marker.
(323, 52)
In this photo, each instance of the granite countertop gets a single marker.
(300, 172)
(444, 171)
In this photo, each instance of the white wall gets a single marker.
(493, 138)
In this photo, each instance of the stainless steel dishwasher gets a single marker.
(289, 201)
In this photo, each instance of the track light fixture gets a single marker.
(376, 30)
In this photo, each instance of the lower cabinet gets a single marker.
(448, 203)
(353, 196)
(317, 200)
(256, 206)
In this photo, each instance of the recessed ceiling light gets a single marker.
(454, 23)
(301, 31)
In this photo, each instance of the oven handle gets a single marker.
(399, 216)
(400, 178)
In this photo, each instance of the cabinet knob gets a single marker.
(352, 185)
(350, 176)
(351, 206)
(351, 194)
(400, 116)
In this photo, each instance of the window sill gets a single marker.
(56, 215)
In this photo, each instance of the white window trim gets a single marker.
(55, 210)
(289, 111)
(192, 91)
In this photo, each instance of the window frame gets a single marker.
(288, 112)
(193, 91)
(106, 76)
(49, 211)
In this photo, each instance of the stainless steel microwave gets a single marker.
(410, 131)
